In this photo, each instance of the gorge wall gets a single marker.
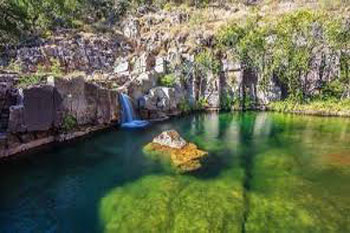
(165, 63)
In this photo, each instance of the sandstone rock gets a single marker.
(185, 157)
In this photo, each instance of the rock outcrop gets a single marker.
(56, 110)
(74, 51)
(170, 138)
(184, 156)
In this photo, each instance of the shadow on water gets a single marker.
(212, 166)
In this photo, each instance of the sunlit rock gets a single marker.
(184, 156)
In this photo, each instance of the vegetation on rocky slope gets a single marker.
(22, 19)
(329, 107)
(285, 48)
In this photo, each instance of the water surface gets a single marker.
(266, 172)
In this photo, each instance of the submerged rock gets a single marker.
(161, 203)
(184, 156)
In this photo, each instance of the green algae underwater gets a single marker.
(268, 172)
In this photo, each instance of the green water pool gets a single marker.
(266, 172)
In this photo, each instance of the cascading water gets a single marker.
(129, 119)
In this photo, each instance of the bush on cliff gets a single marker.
(167, 80)
(69, 123)
(284, 48)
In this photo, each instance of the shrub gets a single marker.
(15, 66)
(206, 61)
(167, 80)
(28, 80)
(55, 68)
(184, 106)
(201, 103)
(69, 123)
(228, 102)
(285, 47)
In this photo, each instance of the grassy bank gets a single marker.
(332, 107)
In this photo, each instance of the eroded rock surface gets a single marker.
(170, 138)
(56, 110)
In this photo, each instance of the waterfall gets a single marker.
(128, 111)
(129, 119)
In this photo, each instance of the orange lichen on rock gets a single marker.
(339, 159)
(185, 159)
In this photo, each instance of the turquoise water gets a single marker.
(266, 172)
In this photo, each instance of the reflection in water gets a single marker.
(269, 182)
(267, 173)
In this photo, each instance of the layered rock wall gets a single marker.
(74, 51)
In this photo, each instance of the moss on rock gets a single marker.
(185, 159)
(174, 204)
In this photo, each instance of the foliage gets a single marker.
(184, 106)
(206, 62)
(24, 17)
(331, 4)
(228, 102)
(284, 48)
(167, 80)
(55, 67)
(28, 80)
(201, 103)
(332, 89)
(331, 106)
(14, 66)
(69, 123)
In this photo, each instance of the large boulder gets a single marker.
(162, 99)
(170, 146)
(170, 138)
(88, 103)
(39, 108)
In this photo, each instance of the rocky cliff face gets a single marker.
(75, 52)
(55, 110)
(160, 59)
